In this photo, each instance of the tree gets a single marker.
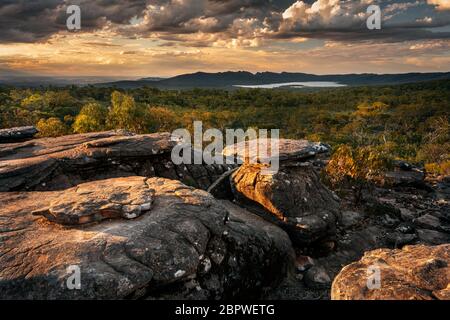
(91, 118)
(51, 127)
(162, 119)
(125, 113)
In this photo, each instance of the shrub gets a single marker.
(356, 168)
(91, 118)
(52, 127)
(442, 168)
(162, 119)
(125, 113)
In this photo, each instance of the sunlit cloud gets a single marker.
(167, 37)
(441, 4)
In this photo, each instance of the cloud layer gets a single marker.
(165, 37)
(208, 22)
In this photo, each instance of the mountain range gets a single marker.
(228, 80)
(243, 78)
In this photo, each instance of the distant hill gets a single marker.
(222, 80)
(33, 81)
(231, 79)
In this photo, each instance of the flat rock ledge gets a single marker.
(99, 200)
(413, 273)
(288, 149)
(188, 245)
(17, 134)
(50, 164)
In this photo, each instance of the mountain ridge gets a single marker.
(229, 79)
(225, 79)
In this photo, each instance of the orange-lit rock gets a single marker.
(413, 273)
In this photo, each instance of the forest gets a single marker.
(405, 122)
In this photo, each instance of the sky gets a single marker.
(162, 38)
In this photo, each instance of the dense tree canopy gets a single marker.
(408, 122)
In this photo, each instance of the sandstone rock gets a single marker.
(63, 162)
(287, 150)
(294, 198)
(350, 218)
(415, 272)
(428, 221)
(303, 263)
(389, 221)
(17, 134)
(406, 228)
(405, 174)
(398, 239)
(433, 237)
(371, 234)
(378, 207)
(317, 278)
(407, 215)
(442, 188)
(99, 200)
(187, 246)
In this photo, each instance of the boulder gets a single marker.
(412, 273)
(404, 174)
(398, 239)
(433, 237)
(428, 221)
(63, 162)
(294, 198)
(17, 134)
(350, 218)
(183, 244)
(303, 263)
(317, 278)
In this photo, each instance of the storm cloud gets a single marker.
(208, 22)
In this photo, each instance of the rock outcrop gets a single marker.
(99, 200)
(288, 149)
(114, 205)
(388, 218)
(63, 162)
(17, 134)
(293, 197)
(415, 272)
(404, 174)
(184, 245)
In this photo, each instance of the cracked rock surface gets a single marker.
(261, 150)
(187, 246)
(63, 162)
(414, 272)
(294, 198)
(17, 134)
(105, 199)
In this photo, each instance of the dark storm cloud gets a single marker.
(37, 20)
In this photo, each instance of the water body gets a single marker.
(308, 84)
